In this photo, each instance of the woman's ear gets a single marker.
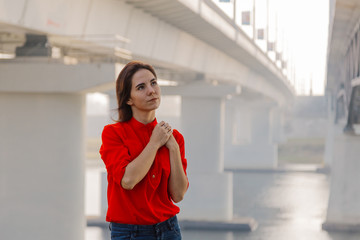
(129, 102)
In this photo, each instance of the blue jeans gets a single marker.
(167, 230)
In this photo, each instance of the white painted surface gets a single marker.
(248, 135)
(210, 191)
(203, 132)
(333, 130)
(54, 76)
(277, 125)
(344, 197)
(42, 166)
(329, 141)
(93, 204)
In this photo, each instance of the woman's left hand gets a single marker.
(171, 143)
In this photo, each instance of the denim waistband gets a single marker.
(158, 226)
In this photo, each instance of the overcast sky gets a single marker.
(302, 31)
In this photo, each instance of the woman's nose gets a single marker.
(151, 90)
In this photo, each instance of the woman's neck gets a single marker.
(144, 117)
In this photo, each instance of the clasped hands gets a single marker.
(162, 135)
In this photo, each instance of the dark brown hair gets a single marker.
(123, 88)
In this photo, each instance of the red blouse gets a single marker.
(149, 202)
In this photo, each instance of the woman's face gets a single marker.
(145, 92)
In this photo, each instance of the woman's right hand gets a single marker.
(161, 134)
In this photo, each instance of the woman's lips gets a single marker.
(153, 99)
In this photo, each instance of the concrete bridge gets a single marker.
(343, 91)
(233, 98)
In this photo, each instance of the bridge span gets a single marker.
(233, 98)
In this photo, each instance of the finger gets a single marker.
(162, 123)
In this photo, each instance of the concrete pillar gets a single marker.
(343, 209)
(42, 146)
(277, 124)
(210, 193)
(113, 105)
(333, 130)
(42, 166)
(103, 194)
(170, 110)
(248, 135)
(329, 141)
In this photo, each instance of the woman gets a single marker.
(145, 161)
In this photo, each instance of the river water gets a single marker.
(289, 205)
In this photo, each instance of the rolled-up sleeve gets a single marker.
(180, 140)
(114, 153)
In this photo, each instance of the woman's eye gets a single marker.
(141, 87)
(154, 83)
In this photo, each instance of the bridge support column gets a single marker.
(343, 209)
(277, 125)
(248, 135)
(210, 193)
(329, 144)
(332, 131)
(42, 166)
(42, 146)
